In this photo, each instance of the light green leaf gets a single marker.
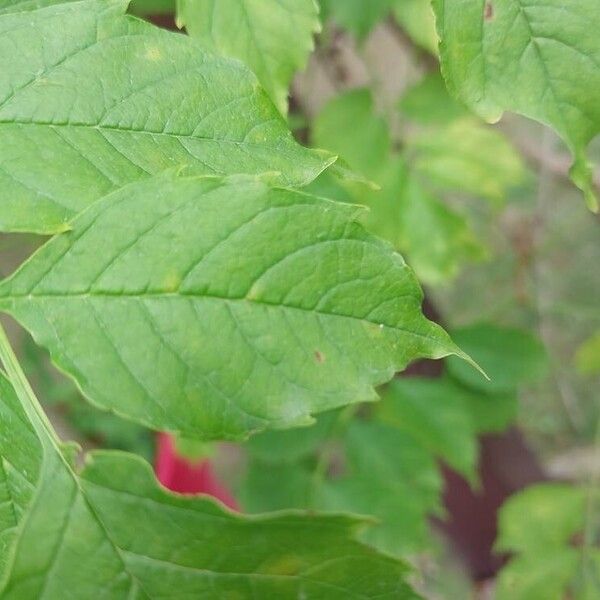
(92, 99)
(152, 7)
(428, 102)
(9, 6)
(587, 358)
(76, 538)
(543, 516)
(540, 59)
(273, 37)
(468, 157)
(539, 524)
(417, 19)
(436, 239)
(19, 466)
(510, 357)
(357, 16)
(144, 300)
(348, 125)
(544, 577)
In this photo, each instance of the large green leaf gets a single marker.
(113, 533)
(273, 37)
(92, 99)
(540, 59)
(214, 308)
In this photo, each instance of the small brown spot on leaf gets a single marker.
(319, 357)
(488, 13)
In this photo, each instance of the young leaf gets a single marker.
(549, 71)
(92, 99)
(75, 537)
(170, 303)
(273, 37)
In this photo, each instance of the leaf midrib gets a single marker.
(170, 295)
(150, 132)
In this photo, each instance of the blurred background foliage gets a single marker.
(508, 256)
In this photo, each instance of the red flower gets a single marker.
(185, 476)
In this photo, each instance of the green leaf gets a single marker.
(369, 467)
(145, 299)
(92, 99)
(19, 466)
(468, 157)
(10, 6)
(436, 239)
(539, 524)
(76, 538)
(390, 476)
(275, 486)
(417, 19)
(541, 517)
(152, 7)
(428, 102)
(587, 358)
(544, 577)
(510, 357)
(549, 71)
(435, 413)
(273, 37)
(348, 125)
(357, 16)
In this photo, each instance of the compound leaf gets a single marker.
(170, 303)
(92, 99)
(273, 37)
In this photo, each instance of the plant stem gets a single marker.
(26, 395)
